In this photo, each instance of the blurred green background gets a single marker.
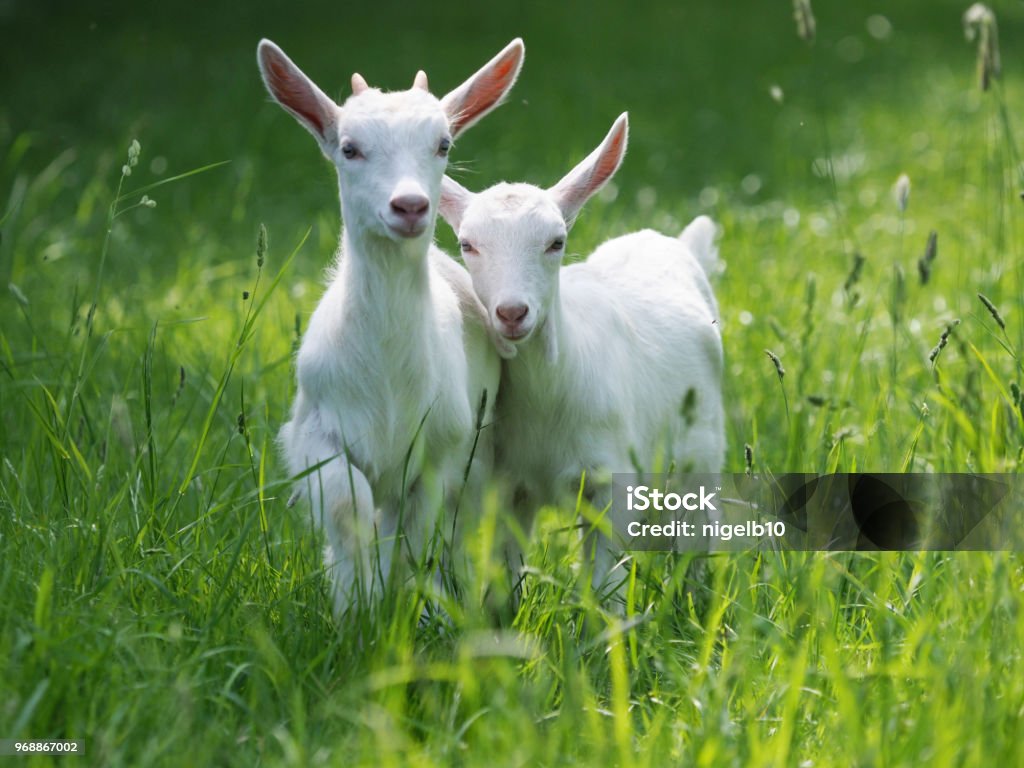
(695, 77)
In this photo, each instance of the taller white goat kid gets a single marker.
(619, 358)
(396, 360)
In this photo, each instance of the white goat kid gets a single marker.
(618, 358)
(396, 360)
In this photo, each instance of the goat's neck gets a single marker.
(392, 276)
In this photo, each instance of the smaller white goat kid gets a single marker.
(617, 360)
(396, 360)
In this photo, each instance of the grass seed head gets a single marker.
(777, 363)
(899, 293)
(261, 245)
(992, 310)
(854, 276)
(181, 384)
(748, 458)
(810, 292)
(980, 23)
(133, 157)
(297, 339)
(943, 340)
(805, 24)
(901, 192)
(924, 264)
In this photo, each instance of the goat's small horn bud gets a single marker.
(358, 84)
(420, 81)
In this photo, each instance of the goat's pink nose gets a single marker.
(513, 314)
(410, 207)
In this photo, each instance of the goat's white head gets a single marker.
(513, 237)
(390, 149)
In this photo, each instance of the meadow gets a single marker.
(161, 602)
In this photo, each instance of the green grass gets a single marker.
(162, 603)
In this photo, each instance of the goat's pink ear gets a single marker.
(484, 90)
(577, 186)
(454, 200)
(299, 95)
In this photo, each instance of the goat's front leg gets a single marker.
(342, 505)
(598, 528)
(422, 527)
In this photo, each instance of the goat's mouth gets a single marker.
(408, 231)
(515, 335)
(404, 230)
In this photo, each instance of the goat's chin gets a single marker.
(506, 349)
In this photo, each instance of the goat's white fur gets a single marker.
(608, 348)
(396, 357)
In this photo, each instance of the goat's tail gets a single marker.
(699, 237)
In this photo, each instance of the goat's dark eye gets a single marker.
(443, 147)
(349, 150)
(467, 247)
(556, 245)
